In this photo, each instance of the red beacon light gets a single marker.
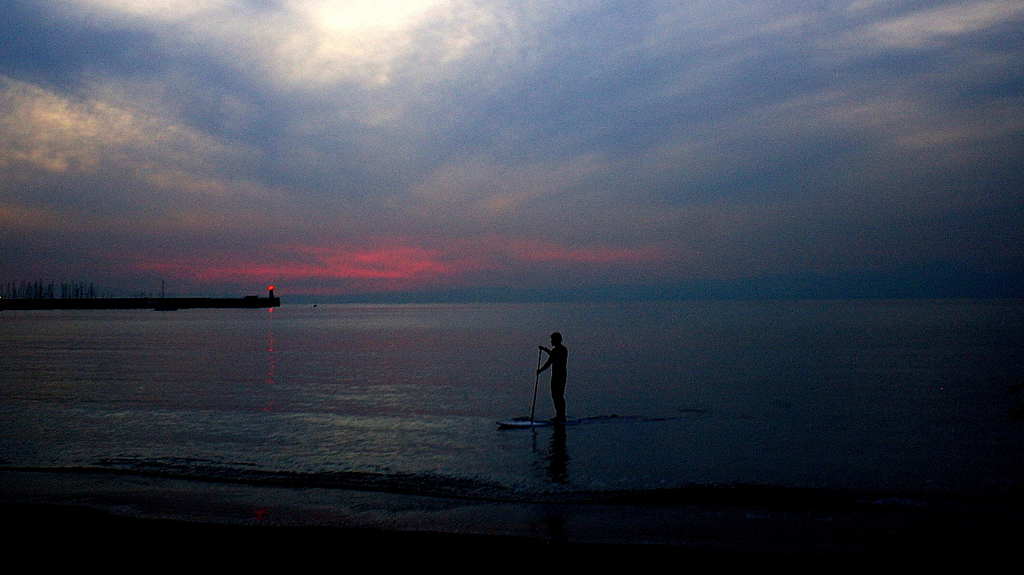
(271, 289)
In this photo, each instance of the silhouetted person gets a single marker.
(557, 357)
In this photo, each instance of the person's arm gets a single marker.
(547, 364)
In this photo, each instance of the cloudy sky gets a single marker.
(359, 147)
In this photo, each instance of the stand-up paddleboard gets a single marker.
(526, 422)
(523, 423)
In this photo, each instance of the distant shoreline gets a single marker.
(158, 303)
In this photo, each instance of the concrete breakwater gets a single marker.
(156, 303)
(164, 304)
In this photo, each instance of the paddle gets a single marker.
(536, 382)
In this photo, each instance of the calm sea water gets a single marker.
(894, 395)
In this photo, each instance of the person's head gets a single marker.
(556, 338)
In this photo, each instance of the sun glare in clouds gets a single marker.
(367, 21)
(307, 44)
(350, 40)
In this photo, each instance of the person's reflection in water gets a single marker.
(558, 456)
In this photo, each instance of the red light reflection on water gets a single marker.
(271, 360)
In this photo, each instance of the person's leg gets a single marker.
(558, 397)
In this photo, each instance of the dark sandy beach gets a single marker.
(101, 519)
(89, 535)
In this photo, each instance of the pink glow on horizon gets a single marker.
(397, 265)
(386, 267)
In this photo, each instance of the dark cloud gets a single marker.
(56, 52)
